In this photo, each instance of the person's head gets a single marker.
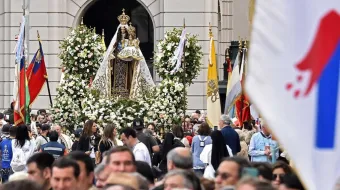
(78, 132)
(39, 168)
(129, 137)
(138, 124)
(38, 126)
(110, 132)
(125, 181)
(264, 127)
(181, 179)
(280, 169)
(2, 116)
(145, 170)
(254, 184)
(179, 158)
(204, 129)
(219, 149)
(230, 170)
(198, 114)
(291, 182)
(33, 117)
(40, 118)
(151, 127)
(178, 131)
(143, 183)
(101, 172)
(53, 136)
(86, 167)
(265, 170)
(5, 129)
(58, 129)
(90, 128)
(42, 112)
(21, 185)
(65, 174)
(121, 159)
(13, 131)
(45, 129)
(21, 135)
(224, 121)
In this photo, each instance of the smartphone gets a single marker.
(250, 172)
(215, 128)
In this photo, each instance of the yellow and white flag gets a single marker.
(213, 96)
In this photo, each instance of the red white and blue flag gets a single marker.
(36, 74)
(293, 79)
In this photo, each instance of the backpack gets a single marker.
(18, 162)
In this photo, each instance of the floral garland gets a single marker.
(192, 56)
(120, 111)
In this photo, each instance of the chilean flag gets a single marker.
(36, 74)
(19, 107)
(293, 79)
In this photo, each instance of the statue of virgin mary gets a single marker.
(123, 70)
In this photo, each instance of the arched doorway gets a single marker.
(102, 14)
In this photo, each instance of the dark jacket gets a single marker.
(231, 139)
(84, 144)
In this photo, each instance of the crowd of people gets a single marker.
(191, 156)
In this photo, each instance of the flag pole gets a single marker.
(46, 78)
(184, 71)
(26, 33)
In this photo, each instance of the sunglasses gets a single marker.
(278, 175)
(224, 176)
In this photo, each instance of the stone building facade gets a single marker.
(54, 18)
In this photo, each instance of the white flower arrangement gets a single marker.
(167, 107)
(192, 56)
(78, 49)
(119, 111)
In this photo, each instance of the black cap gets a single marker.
(78, 132)
(198, 111)
(5, 128)
(45, 127)
(138, 123)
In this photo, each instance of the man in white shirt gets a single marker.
(140, 151)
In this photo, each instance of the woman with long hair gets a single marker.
(22, 148)
(213, 154)
(170, 142)
(179, 136)
(88, 141)
(109, 139)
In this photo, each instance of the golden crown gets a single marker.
(131, 29)
(123, 18)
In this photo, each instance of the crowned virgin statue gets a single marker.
(123, 70)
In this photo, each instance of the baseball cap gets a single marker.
(78, 132)
(5, 128)
(138, 123)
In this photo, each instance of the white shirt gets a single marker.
(141, 153)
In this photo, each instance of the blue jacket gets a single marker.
(54, 148)
(231, 139)
(257, 147)
(6, 153)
